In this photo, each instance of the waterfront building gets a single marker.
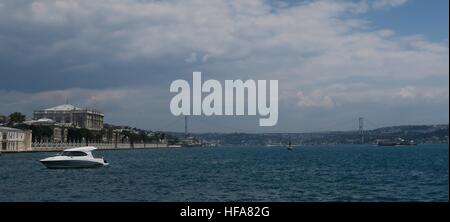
(59, 131)
(14, 140)
(71, 116)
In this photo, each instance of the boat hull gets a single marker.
(67, 164)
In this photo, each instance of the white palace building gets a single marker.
(72, 116)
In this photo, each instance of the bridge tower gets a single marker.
(361, 129)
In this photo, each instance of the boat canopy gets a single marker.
(82, 149)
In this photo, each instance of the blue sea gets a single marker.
(308, 173)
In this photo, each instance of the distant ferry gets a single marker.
(398, 142)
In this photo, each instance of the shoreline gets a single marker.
(59, 149)
(165, 146)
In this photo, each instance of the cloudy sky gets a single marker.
(384, 60)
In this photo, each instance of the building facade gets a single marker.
(14, 140)
(59, 131)
(71, 116)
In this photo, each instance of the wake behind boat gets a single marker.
(80, 157)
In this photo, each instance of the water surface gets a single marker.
(309, 173)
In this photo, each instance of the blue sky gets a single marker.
(428, 18)
(384, 60)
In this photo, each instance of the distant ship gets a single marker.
(398, 142)
(289, 146)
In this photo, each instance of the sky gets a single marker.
(384, 60)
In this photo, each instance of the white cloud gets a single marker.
(346, 94)
(311, 47)
(377, 4)
(192, 58)
(83, 97)
(315, 99)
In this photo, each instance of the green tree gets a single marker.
(132, 137)
(87, 135)
(2, 119)
(80, 134)
(41, 133)
(16, 117)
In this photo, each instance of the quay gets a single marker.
(56, 147)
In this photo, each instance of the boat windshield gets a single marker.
(73, 153)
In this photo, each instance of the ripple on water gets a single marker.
(319, 173)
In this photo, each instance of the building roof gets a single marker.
(39, 121)
(8, 129)
(64, 107)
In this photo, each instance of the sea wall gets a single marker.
(46, 147)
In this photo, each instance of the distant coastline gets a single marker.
(420, 134)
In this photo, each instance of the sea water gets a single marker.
(307, 173)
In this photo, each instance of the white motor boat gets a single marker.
(80, 157)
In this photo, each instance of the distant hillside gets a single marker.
(421, 134)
